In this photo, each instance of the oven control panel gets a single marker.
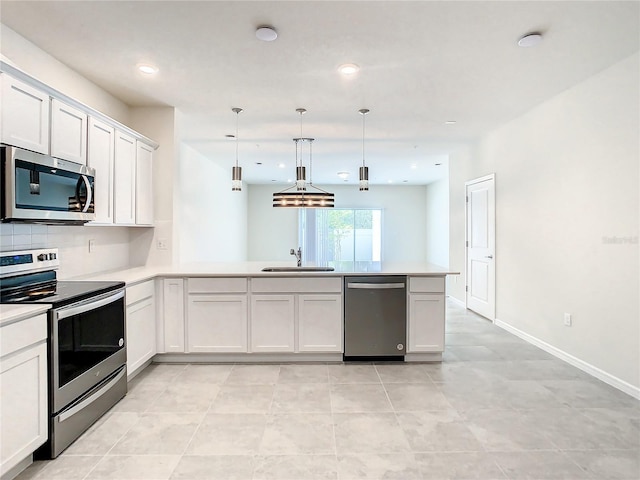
(28, 261)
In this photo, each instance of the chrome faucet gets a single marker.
(298, 255)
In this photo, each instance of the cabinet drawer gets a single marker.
(426, 284)
(21, 334)
(218, 285)
(140, 292)
(296, 285)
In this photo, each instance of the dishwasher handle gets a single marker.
(375, 286)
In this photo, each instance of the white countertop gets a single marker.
(254, 269)
(15, 313)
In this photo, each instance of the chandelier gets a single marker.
(314, 197)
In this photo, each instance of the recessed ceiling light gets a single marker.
(450, 122)
(389, 181)
(274, 180)
(405, 181)
(348, 69)
(343, 175)
(413, 166)
(530, 40)
(147, 69)
(266, 33)
(258, 163)
(281, 165)
(438, 164)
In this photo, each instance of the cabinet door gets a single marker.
(124, 179)
(141, 333)
(426, 323)
(173, 315)
(217, 323)
(144, 184)
(23, 416)
(272, 323)
(320, 323)
(68, 132)
(24, 116)
(100, 156)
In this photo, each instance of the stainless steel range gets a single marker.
(86, 341)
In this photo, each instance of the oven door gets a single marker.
(39, 188)
(87, 345)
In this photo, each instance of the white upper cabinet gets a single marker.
(25, 115)
(144, 184)
(125, 179)
(68, 132)
(100, 156)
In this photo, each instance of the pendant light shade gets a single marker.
(302, 198)
(236, 171)
(364, 170)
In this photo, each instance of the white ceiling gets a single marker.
(422, 63)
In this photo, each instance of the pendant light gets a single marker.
(364, 170)
(302, 198)
(236, 171)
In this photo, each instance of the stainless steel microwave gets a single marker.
(37, 188)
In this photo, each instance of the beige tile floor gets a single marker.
(496, 408)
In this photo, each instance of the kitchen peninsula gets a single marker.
(236, 312)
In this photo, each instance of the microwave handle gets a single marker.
(87, 184)
(85, 307)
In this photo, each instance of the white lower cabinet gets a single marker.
(302, 314)
(426, 315)
(23, 383)
(217, 323)
(141, 325)
(273, 323)
(171, 337)
(320, 323)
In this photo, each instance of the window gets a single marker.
(344, 238)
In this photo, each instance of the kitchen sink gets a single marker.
(298, 269)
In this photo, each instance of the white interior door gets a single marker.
(481, 246)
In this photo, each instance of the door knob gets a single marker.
(488, 256)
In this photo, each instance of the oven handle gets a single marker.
(85, 307)
(92, 398)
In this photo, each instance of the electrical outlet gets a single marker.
(92, 245)
(161, 244)
(567, 319)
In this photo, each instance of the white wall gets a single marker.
(437, 218)
(159, 124)
(273, 231)
(212, 219)
(567, 181)
(21, 53)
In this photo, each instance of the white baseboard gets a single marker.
(570, 359)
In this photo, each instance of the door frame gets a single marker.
(491, 176)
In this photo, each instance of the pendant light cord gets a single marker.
(237, 121)
(363, 115)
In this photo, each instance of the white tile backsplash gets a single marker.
(112, 245)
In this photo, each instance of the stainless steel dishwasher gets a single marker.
(375, 316)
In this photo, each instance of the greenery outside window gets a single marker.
(347, 239)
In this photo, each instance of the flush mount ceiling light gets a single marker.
(530, 40)
(266, 33)
(236, 171)
(450, 122)
(301, 198)
(343, 175)
(147, 69)
(364, 170)
(348, 69)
